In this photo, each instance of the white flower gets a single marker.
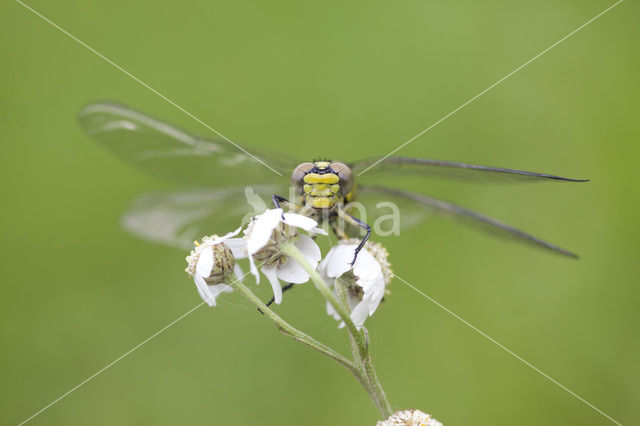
(366, 280)
(212, 264)
(410, 418)
(266, 235)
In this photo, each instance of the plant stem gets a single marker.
(341, 291)
(291, 331)
(360, 348)
(375, 382)
(364, 364)
(293, 252)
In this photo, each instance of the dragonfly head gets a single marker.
(322, 183)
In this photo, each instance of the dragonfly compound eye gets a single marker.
(299, 172)
(346, 176)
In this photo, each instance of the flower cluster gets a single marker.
(266, 235)
(410, 418)
(364, 282)
(213, 266)
(282, 247)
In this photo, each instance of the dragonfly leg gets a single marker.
(356, 222)
(277, 199)
(273, 299)
(339, 231)
(279, 202)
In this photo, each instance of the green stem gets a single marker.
(375, 382)
(291, 331)
(360, 347)
(293, 252)
(365, 365)
(341, 292)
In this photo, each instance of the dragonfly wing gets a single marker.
(171, 153)
(384, 212)
(177, 218)
(428, 204)
(451, 170)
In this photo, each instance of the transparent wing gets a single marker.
(450, 170)
(168, 152)
(177, 218)
(416, 207)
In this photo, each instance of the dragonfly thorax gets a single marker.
(322, 184)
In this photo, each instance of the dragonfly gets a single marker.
(217, 172)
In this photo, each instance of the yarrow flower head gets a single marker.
(410, 418)
(365, 281)
(212, 264)
(266, 236)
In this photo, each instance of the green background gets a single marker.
(341, 79)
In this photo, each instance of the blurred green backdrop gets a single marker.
(348, 80)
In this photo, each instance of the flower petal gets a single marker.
(337, 260)
(238, 247)
(322, 270)
(254, 200)
(203, 290)
(378, 293)
(227, 236)
(309, 248)
(303, 222)
(271, 275)
(318, 231)
(205, 262)
(300, 221)
(237, 270)
(336, 316)
(292, 272)
(262, 229)
(360, 313)
(366, 267)
(218, 289)
(331, 311)
(254, 269)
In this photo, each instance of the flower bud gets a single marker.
(270, 238)
(213, 266)
(409, 418)
(212, 260)
(267, 235)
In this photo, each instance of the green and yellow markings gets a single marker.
(329, 178)
(320, 203)
(321, 189)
